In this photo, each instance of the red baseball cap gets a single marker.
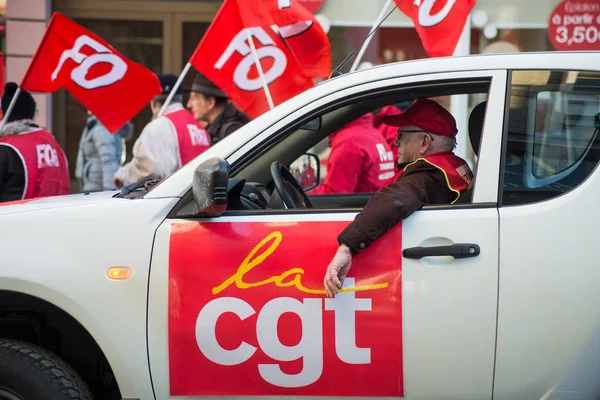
(427, 115)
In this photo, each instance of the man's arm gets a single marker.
(4, 160)
(11, 166)
(154, 154)
(421, 184)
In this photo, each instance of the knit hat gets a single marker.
(25, 106)
(167, 82)
(427, 115)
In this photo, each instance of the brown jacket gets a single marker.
(230, 120)
(420, 184)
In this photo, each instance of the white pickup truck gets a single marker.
(209, 284)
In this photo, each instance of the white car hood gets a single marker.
(57, 202)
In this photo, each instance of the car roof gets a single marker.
(569, 61)
(527, 60)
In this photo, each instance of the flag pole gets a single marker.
(10, 108)
(174, 89)
(380, 18)
(260, 70)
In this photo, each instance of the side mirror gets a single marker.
(209, 188)
(307, 171)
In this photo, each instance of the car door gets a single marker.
(548, 326)
(236, 306)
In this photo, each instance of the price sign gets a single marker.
(575, 25)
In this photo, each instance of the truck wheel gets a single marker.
(29, 372)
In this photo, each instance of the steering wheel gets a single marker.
(287, 186)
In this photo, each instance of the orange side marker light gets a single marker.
(118, 273)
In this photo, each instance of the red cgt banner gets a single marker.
(114, 88)
(252, 305)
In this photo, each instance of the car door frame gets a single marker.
(485, 194)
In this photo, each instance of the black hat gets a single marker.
(203, 85)
(167, 82)
(24, 107)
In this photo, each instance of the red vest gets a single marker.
(193, 139)
(457, 172)
(45, 163)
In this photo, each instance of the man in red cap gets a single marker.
(429, 173)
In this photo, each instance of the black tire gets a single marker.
(29, 372)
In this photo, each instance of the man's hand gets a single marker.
(337, 270)
(118, 184)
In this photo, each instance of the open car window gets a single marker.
(252, 188)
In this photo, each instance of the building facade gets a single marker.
(162, 35)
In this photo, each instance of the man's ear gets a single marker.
(426, 144)
(211, 102)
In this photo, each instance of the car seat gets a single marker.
(475, 129)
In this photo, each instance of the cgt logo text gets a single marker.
(269, 327)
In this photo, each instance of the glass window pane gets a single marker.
(552, 140)
(563, 130)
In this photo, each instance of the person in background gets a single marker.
(167, 143)
(211, 105)
(389, 132)
(309, 176)
(100, 154)
(32, 164)
(429, 173)
(360, 160)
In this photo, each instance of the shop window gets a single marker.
(553, 141)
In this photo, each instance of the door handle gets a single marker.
(458, 250)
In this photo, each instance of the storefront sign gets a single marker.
(312, 5)
(575, 25)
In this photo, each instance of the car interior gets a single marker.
(262, 182)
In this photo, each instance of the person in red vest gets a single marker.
(309, 176)
(388, 132)
(32, 164)
(360, 160)
(429, 173)
(167, 142)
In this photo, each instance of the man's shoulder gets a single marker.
(434, 162)
(158, 124)
(419, 166)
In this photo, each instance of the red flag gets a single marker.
(224, 56)
(114, 88)
(300, 30)
(439, 23)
